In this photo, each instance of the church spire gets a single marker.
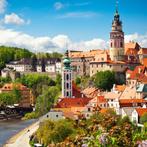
(117, 38)
(117, 6)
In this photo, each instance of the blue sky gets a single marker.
(80, 20)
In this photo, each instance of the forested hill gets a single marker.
(8, 54)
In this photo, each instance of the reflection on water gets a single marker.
(10, 128)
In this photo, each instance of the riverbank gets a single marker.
(22, 138)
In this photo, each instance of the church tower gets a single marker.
(117, 39)
(66, 77)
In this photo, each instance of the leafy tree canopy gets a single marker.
(104, 80)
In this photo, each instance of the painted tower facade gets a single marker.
(117, 39)
(67, 77)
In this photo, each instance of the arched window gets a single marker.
(67, 85)
(67, 94)
(121, 44)
(67, 77)
(111, 44)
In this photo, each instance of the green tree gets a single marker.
(46, 100)
(78, 80)
(143, 118)
(104, 80)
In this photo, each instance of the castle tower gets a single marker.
(66, 77)
(117, 39)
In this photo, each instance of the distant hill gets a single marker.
(8, 54)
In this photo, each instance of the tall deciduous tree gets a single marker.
(104, 80)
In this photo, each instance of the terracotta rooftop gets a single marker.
(126, 101)
(141, 111)
(145, 62)
(11, 86)
(90, 53)
(76, 91)
(72, 102)
(131, 45)
(120, 88)
(142, 51)
(90, 92)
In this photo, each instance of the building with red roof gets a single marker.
(27, 99)
(137, 114)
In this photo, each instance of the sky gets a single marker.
(57, 25)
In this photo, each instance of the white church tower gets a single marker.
(66, 77)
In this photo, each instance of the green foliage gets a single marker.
(59, 81)
(143, 118)
(10, 98)
(31, 115)
(49, 55)
(78, 80)
(54, 132)
(4, 80)
(102, 129)
(36, 82)
(46, 100)
(104, 80)
(8, 54)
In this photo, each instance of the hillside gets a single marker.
(8, 54)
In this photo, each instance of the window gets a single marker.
(67, 85)
(101, 65)
(111, 44)
(121, 44)
(57, 116)
(67, 77)
(89, 109)
(67, 94)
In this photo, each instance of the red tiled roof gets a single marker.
(76, 91)
(11, 86)
(131, 47)
(139, 74)
(72, 102)
(142, 51)
(120, 87)
(141, 111)
(101, 99)
(127, 101)
(145, 62)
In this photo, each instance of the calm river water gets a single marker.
(10, 128)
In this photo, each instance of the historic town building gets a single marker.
(66, 77)
(117, 39)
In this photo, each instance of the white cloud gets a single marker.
(141, 39)
(3, 4)
(58, 5)
(77, 15)
(46, 44)
(14, 19)
(58, 43)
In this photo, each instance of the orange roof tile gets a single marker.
(145, 62)
(72, 102)
(11, 86)
(141, 111)
(120, 87)
(126, 101)
(142, 51)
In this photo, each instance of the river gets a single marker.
(10, 128)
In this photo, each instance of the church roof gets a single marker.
(73, 102)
